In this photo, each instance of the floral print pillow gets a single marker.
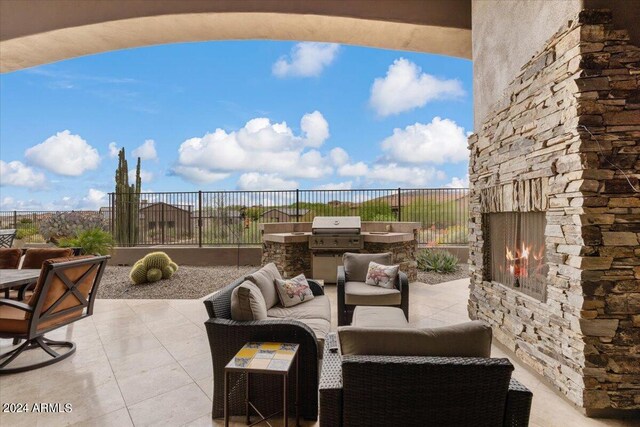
(293, 291)
(382, 275)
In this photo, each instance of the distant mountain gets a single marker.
(431, 196)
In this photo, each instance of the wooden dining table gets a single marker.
(13, 278)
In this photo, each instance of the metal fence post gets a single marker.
(297, 205)
(199, 219)
(399, 205)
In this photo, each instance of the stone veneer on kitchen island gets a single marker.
(533, 153)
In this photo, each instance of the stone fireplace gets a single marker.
(555, 215)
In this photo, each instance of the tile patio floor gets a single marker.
(147, 363)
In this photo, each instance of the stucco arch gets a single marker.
(34, 32)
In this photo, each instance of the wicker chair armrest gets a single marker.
(342, 278)
(518, 405)
(402, 282)
(16, 304)
(330, 387)
(316, 289)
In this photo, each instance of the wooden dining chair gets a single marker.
(65, 293)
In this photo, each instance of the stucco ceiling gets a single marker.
(34, 32)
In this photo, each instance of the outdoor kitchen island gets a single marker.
(316, 251)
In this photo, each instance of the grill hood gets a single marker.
(336, 225)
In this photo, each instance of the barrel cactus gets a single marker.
(153, 267)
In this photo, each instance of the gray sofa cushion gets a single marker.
(359, 293)
(317, 308)
(247, 303)
(265, 279)
(469, 339)
(356, 265)
(379, 317)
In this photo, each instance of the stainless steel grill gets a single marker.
(336, 232)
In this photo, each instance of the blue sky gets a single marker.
(233, 115)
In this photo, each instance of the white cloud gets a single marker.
(406, 87)
(346, 185)
(113, 150)
(339, 156)
(257, 181)
(18, 174)
(64, 154)
(306, 59)
(458, 182)
(147, 151)
(199, 175)
(145, 176)
(260, 146)
(403, 175)
(9, 204)
(437, 142)
(94, 199)
(353, 169)
(316, 128)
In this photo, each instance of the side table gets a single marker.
(264, 358)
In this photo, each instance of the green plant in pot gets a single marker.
(92, 241)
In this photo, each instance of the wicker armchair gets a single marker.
(420, 391)
(227, 336)
(345, 310)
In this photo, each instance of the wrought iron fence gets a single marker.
(208, 218)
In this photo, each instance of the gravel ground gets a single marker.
(197, 282)
(432, 278)
(186, 283)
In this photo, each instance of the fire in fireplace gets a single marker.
(517, 251)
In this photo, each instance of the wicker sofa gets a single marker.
(367, 390)
(227, 336)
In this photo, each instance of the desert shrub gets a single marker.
(454, 234)
(25, 230)
(92, 241)
(438, 261)
(61, 225)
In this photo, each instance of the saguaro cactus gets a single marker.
(126, 204)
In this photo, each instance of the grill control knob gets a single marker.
(335, 242)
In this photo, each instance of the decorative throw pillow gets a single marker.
(264, 279)
(247, 303)
(293, 291)
(381, 275)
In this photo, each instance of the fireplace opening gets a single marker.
(517, 251)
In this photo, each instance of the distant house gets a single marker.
(163, 221)
(284, 215)
(105, 212)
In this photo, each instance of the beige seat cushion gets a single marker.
(470, 339)
(265, 280)
(357, 265)
(317, 308)
(247, 303)
(320, 328)
(359, 293)
(379, 317)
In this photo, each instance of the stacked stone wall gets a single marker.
(537, 152)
